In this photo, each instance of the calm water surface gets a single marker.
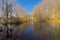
(35, 31)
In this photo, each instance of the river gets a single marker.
(34, 31)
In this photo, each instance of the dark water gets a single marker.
(29, 34)
(23, 32)
(34, 31)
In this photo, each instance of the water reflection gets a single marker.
(34, 31)
(47, 30)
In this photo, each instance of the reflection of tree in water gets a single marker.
(48, 10)
(46, 31)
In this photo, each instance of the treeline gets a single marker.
(47, 10)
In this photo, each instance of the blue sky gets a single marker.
(28, 4)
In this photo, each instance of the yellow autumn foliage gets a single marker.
(47, 10)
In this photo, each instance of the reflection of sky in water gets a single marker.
(30, 32)
(29, 35)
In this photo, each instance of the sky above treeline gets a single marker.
(28, 4)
